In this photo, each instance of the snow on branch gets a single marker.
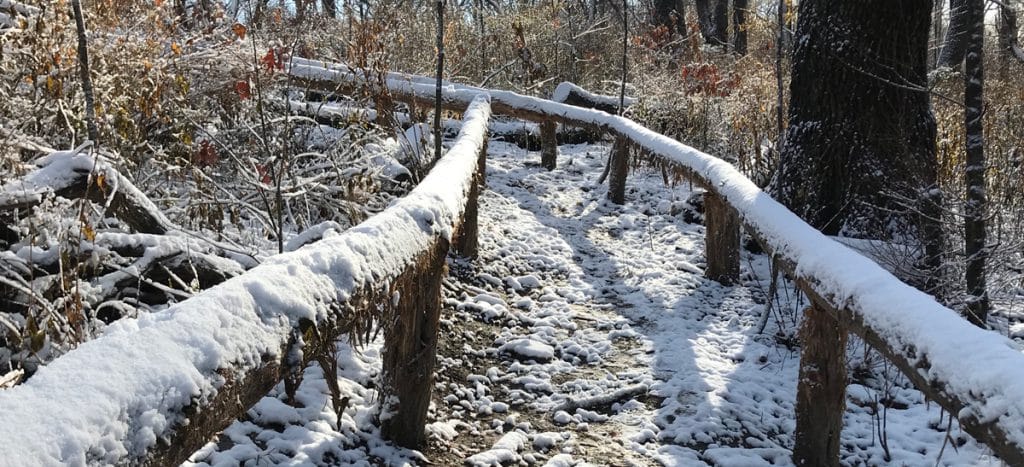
(154, 389)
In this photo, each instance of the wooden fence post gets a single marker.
(821, 390)
(722, 240)
(410, 349)
(548, 145)
(619, 169)
(467, 244)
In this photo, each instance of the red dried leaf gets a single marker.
(243, 90)
(264, 174)
(206, 155)
(274, 59)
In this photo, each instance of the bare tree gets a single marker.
(739, 27)
(440, 76)
(713, 19)
(974, 209)
(670, 14)
(1007, 30)
(954, 46)
(84, 71)
(330, 8)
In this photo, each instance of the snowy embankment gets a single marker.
(120, 397)
(930, 343)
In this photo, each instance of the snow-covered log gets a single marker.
(10, 10)
(565, 92)
(152, 390)
(931, 344)
(523, 134)
(75, 174)
(569, 93)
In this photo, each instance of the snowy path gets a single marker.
(622, 301)
(574, 299)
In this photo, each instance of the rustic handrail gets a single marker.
(927, 341)
(152, 391)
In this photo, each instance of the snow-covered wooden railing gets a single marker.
(975, 374)
(153, 390)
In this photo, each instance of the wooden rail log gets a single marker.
(152, 391)
(523, 134)
(928, 342)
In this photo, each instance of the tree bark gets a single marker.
(739, 27)
(721, 23)
(1007, 31)
(713, 19)
(330, 8)
(860, 146)
(954, 46)
(671, 14)
(935, 45)
(84, 72)
(974, 209)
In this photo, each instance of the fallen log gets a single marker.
(571, 94)
(74, 174)
(523, 134)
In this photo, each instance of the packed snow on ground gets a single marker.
(585, 334)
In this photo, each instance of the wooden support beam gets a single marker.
(722, 243)
(467, 241)
(821, 390)
(548, 145)
(410, 350)
(619, 171)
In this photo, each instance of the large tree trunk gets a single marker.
(713, 19)
(721, 22)
(670, 14)
(739, 27)
(860, 146)
(1007, 29)
(936, 37)
(974, 209)
(954, 46)
(330, 8)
